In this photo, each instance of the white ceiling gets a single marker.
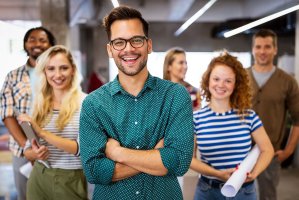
(152, 10)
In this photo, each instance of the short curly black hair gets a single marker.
(51, 37)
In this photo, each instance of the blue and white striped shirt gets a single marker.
(224, 139)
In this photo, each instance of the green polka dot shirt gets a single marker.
(161, 110)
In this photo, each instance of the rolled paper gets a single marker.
(234, 183)
(26, 169)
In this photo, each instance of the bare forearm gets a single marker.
(147, 161)
(123, 171)
(15, 130)
(262, 162)
(30, 155)
(207, 170)
(267, 152)
(293, 140)
(203, 168)
(64, 144)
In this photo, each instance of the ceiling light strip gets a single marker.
(194, 17)
(115, 3)
(260, 21)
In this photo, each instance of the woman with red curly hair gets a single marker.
(225, 129)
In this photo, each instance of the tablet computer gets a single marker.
(31, 134)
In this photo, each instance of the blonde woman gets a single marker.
(55, 119)
(225, 129)
(174, 70)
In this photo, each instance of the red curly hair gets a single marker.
(241, 97)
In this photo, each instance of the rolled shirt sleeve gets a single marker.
(16, 93)
(6, 98)
(98, 168)
(178, 142)
(162, 110)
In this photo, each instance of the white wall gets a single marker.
(197, 64)
(11, 42)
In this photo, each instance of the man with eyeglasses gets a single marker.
(136, 132)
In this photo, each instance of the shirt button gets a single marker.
(137, 192)
(136, 122)
(137, 147)
(136, 100)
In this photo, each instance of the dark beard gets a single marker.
(34, 57)
(140, 68)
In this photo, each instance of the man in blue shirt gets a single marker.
(136, 132)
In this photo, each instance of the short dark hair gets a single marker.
(123, 13)
(265, 33)
(51, 37)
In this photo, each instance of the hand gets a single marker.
(41, 153)
(27, 118)
(160, 144)
(282, 155)
(250, 177)
(113, 148)
(224, 175)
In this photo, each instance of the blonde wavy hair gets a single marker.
(241, 97)
(169, 58)
(43, 101)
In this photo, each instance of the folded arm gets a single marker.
(97, 167)
(146, 161)
(123, 171)
(173, 159)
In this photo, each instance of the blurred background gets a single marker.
(78, 25)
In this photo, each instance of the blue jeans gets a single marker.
(206, 192)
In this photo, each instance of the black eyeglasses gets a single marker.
(136, 42)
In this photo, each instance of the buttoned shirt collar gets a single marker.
(162, 110)
(116, 87)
